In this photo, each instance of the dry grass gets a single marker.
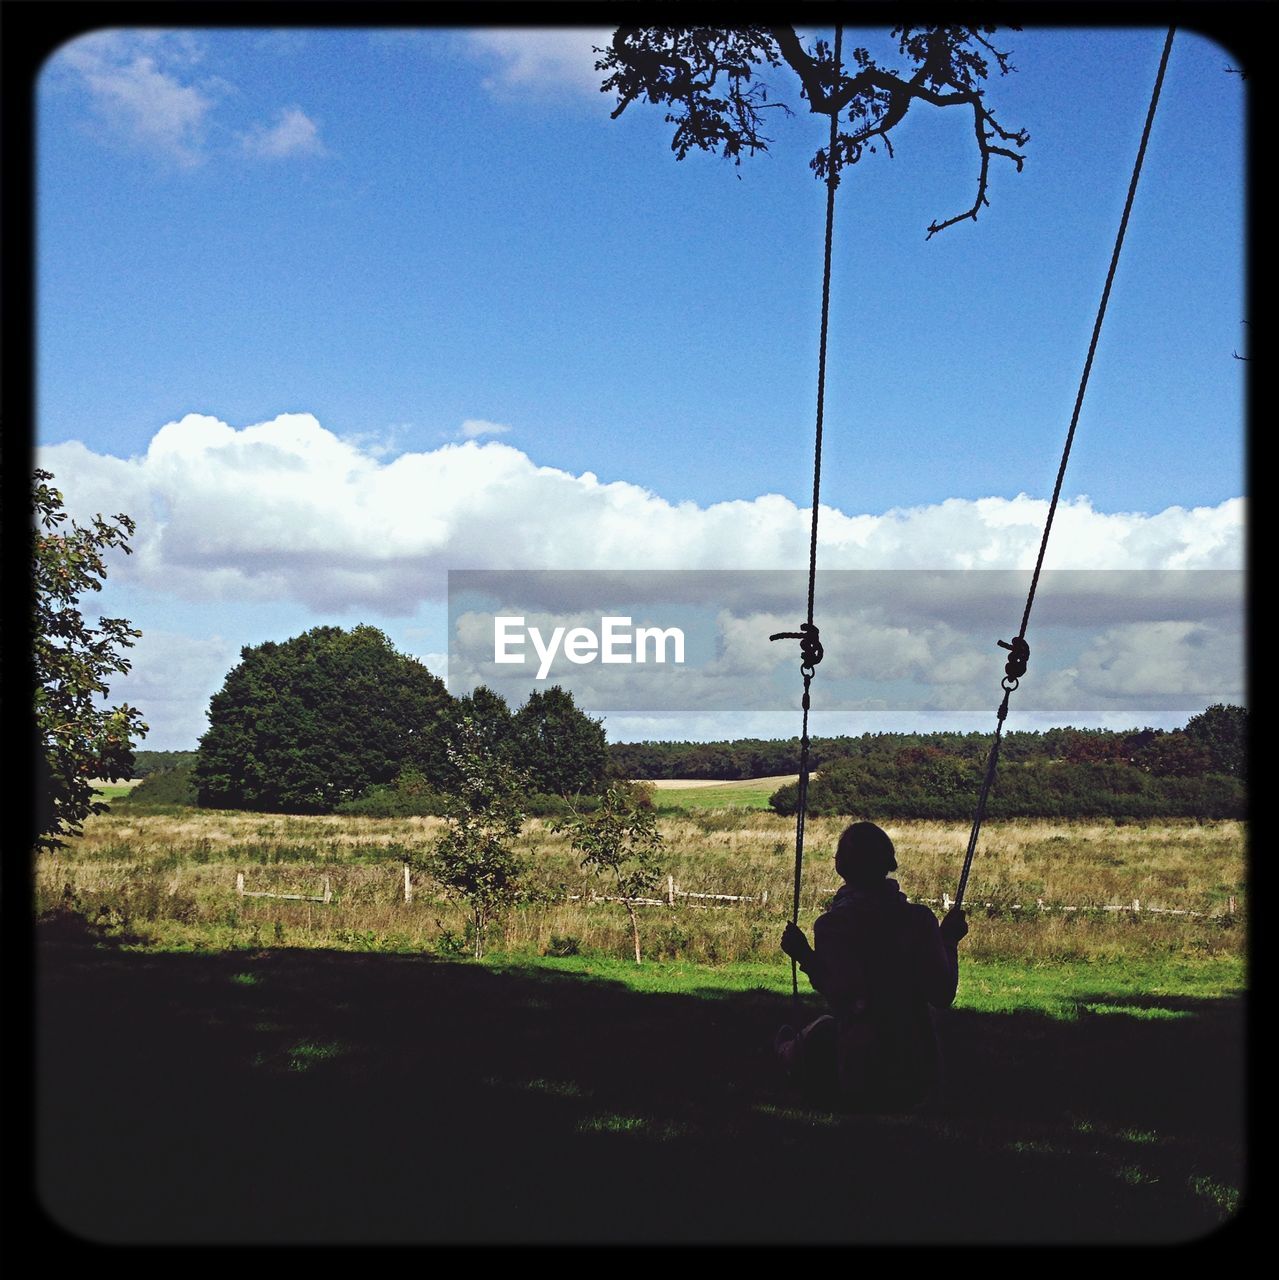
(170, 880)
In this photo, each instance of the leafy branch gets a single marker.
(707, 77)
(78, 740)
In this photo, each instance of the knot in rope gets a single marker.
(810, 645)
(1018, 657)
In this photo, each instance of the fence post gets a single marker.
(1230, 906)
(328, 892)
(763, 902)
(239, 883)
(1136, 904)
(670, 891)
(408, 884)
(945, 901)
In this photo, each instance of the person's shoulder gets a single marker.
(921, 915)
(828, 916)
(833, 920)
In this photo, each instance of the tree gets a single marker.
(1222, 730)
(621, 839)
(474, 857)
(491, 717)
(1173, 755)
(77, 738)
(707, 77)
(302, 726)
(563, 750)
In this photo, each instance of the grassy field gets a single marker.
(109, 791)
(170, 878)
(197, 1047)
(677, 795)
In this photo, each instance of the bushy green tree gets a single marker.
(621, 840)
(1222, 730)
(301, 726)
(561, 748)
(475, 857)
(1173, 755)
(146, 763)
(77, 739)
(492, 719)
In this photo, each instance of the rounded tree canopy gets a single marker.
(303, 725)
(561, 748)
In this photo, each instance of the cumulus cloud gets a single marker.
(286, 510)
(1153, 659)
(140, 84)
(542, 60)
(474, 427)
(294, 133)
(171, 681)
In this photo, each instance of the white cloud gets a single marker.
(285, 510)
(139, 83)
(172, 679)
(542, 60)
(294, 133)
(1156, 658)
(146, 87)
(436, 663)
(474, 427)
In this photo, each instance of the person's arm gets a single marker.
(795, 944)
(939, 956)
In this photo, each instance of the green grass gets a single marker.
(729, 796)
(109, 791)
(1062, 991)
(744, 793)
(285, 1095)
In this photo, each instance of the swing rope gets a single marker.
(1019, 654)
(808, 635)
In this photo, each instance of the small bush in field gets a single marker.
(672, 939)
(562, 945)
(454, 944)
(171, 786)
(474, 858)
(621, 839)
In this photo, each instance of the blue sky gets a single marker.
(433, 309)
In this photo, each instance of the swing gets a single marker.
(808, 634)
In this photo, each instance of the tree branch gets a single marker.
(682, 67)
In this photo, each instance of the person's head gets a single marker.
(864, 855)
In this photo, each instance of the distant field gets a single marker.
(739, 784)
(710, 793)
(114, 790)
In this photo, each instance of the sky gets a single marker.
(332, 313)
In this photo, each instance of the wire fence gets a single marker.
(675, 896)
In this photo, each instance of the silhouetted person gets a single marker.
(881, 962)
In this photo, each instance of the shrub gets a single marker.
(562, 945)
(396, 801)
(171, 786)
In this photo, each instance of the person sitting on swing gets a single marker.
(881, 962)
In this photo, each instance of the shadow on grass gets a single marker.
(301, 1096)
